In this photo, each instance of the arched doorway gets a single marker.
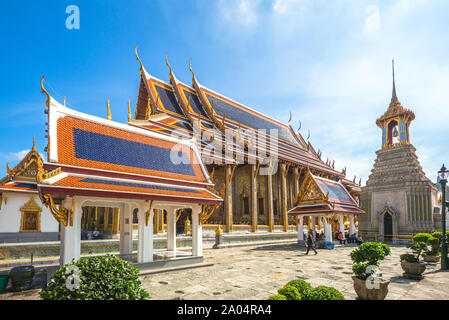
(388, 224)
(388, 228)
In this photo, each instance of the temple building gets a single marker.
(253, 199)
(398, 197)
(257, 164)
(23, 218)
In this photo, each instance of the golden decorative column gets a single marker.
(97, 219)
(284, 170)
(270, 202)
(156, 221)
(229, 170)
(106, 219)
(253, 185)
(296, 181)
(115, 220)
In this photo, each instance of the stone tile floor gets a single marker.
(256, 272)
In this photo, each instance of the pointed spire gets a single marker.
(394, 98)
(34, 143)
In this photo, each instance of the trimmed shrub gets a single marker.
(421, 237)
(407, 257)
(95, 278)
(368, 254)
(302, 286)
(290, 292)
(277, 297)
(325, 293)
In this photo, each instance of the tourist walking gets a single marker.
(310, 242)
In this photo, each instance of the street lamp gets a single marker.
(443, 174)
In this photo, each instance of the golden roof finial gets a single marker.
(129, 110)
(109, 111)
(191, 70)
(290, 119)
(8, 169)
(34, 143)
(168, 64)
(63, 99)
(137, 58)
(47, 103)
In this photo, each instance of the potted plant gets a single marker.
(368, 283)
(432, 254)
(413, 268)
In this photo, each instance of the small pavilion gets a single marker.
(329, 202)
(99, 162)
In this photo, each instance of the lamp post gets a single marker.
(443, 174)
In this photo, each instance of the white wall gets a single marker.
(10, 213)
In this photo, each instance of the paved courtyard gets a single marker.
(256, 272)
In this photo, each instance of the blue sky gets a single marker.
(328, 62)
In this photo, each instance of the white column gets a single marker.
(352, 229)
(145, 244)
(301, 230)
(197, 234)
(126, 230)
(327, 231)
(342, 225)
(70, 247)
(171, 229)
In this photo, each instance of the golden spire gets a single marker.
(129, 110)
(394, 98)
(109, 111)
(34, 143)
(47, 103)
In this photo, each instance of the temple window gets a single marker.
(31, 217)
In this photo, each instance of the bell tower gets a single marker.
(395, 122)
(398, 198)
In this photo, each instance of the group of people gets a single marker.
(311, 239)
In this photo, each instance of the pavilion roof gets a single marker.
(319, 195)
(19, 187)
(94, 156)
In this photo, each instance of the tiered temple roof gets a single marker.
(176, 108)
(90, 156)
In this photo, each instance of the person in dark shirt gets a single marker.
(310, 242)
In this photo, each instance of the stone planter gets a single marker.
(432, 259)
(413, 270)
(21, 277)
(378, 293)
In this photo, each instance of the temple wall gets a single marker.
(10, 218)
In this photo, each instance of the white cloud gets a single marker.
(240, 12)
(19, 155)
(372, 21)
